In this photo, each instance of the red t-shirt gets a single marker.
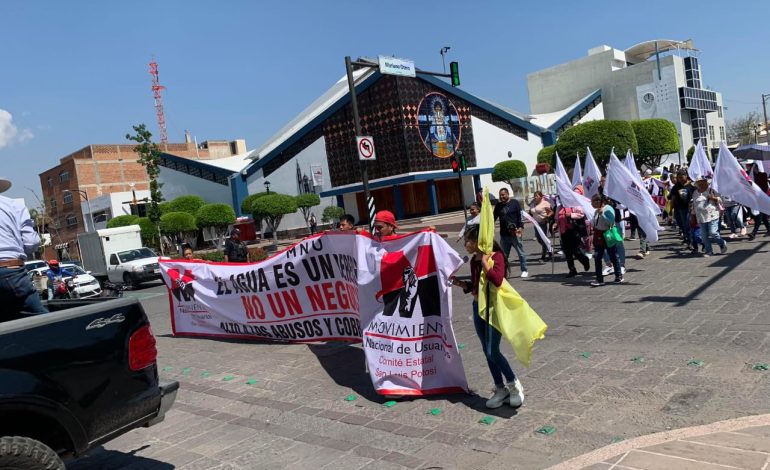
(496, 275)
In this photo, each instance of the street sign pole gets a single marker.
(364, 175)
(459, 155)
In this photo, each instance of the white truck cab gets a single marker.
(133, 266)
(117, 254)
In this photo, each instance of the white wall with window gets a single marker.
(109, 206)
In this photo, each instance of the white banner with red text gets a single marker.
(337, 286)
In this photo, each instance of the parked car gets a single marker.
(34, 264)
(75, 379)
(117, 255)
(85, 284)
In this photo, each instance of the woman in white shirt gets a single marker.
(705, 205)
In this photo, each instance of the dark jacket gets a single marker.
(681, 195)
(236, 251)
(510, 217)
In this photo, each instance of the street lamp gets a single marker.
(84, 195)
(267, 186)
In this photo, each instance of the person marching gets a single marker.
(540, 210)
(604, 221)
(572, 227)
(511, 227)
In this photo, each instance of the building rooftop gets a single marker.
(644, 50)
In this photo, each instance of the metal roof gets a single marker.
(644, 50)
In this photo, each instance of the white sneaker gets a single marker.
(525, 274)
(733, 236)
(517, 394)
(622, 270)
(607, 270)
(497, 400)
(723, 250)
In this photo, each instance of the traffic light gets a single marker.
(463, 165)
(455, 164)
(454, 71)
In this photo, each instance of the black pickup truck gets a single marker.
(75, 378)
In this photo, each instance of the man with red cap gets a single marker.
(385, 225)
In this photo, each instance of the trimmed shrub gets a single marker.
(509, 170)
(690, 153)
(272, 207)
(177, 223)
(189, 204)
(149, 231)
(547, 155)
(215, 215)
(656, 137)
(247, 207)
(332, 214)
(122, 221)
(164, 207)
(305, 202)
(601, 136)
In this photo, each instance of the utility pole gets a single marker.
(357, 122)
(764, 109)
(443, 52)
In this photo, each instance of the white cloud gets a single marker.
(9, 133)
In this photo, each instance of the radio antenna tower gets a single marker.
(156, 89)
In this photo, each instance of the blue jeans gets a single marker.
(708, 231)
(508, 241)
(498, 364)
(17, 295)
(612, 254)
(733, 221)
(620, 249)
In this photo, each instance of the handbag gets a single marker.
(612, 237)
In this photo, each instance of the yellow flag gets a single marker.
(509, 313)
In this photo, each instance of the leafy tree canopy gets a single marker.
(509, 170)
(600, 136)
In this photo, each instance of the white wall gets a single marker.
(284, 180)
(492, 145)
(175, 184)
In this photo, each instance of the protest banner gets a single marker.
(337, 286)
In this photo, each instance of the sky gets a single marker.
(75, 73)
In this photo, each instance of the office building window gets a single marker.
(64, 176)
(721, 132)
(71, 220)
(719, 111)
(67, 198)
(711, 133)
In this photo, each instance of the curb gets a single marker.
(604, 453)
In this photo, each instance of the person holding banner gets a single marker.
(347, 222)
(604, 221)
(572, 227)
(540, 209)
(760, 178)
(385, 225)
(705, 205)
(510, 391)
(680, 196)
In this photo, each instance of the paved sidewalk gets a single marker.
(738, 443)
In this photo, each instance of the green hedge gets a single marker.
(509, 170)
(177, 222)
(215, 215)
(332, 213)
(601, 136)
(189, 204)
(690, 153)
(547, 155)
(656, 137)
(122, 221)
(247, 205)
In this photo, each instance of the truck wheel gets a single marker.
(128, 281)
(27, 454)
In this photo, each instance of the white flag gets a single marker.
(699, 166)
(624, 188)
(559, 171)
(592, 176)
(568, 197)
(577, 173)
(540, 232)
(732, 180)
(631, 165)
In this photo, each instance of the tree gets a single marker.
(272, 207)
(149, 231)
(332, 214)
(217, 217)
(601, 136)
(547, 155)
(305, 202)
(123, 221)
(690, 153)
(509, 170)
(656, 137)
(189, 204)
(741, 129)
(247, 207)
(180, 225)
(164, 207)
(149, 157)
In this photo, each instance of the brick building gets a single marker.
(98, 170)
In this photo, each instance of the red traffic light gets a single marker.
(455, 164)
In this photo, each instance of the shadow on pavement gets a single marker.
(345, 365)
(103, 459)
(729, 262)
